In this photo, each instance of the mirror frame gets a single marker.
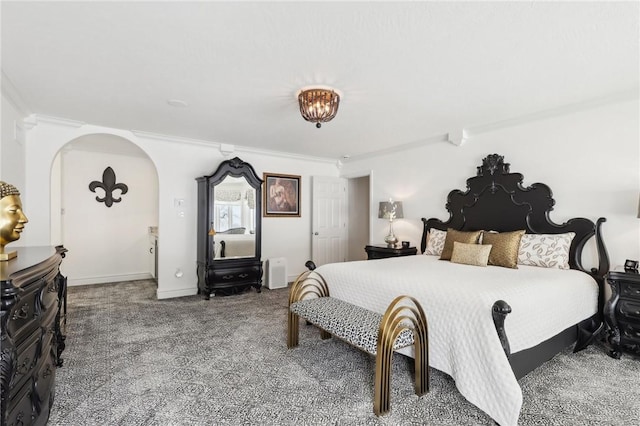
(237, 168)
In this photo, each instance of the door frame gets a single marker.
(372, 207)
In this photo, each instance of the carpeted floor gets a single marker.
(134, 360)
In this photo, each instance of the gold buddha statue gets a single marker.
(12, 218)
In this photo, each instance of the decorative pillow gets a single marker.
(505, 247)
(546, 250)
(435, 242)
(470, 254)
(459, 236)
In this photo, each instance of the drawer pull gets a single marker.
(227, 277)
(46, 373)
(19, 417)
(22, 313)
(243, 275)
(25, 367)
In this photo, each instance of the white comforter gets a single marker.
(457, 300)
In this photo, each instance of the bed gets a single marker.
(234, 245)
(490, 326)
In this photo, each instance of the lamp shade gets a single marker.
(390, 210)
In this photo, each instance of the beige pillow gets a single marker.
(505, 247)
(470, 254)
(459, 236)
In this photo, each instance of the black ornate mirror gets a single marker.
(229, 229)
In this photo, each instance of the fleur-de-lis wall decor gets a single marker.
(109, 185)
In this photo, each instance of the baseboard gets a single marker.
(108, 279)
(169, 294)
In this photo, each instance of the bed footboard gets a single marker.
(500, 310)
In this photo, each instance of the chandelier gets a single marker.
(318, 105)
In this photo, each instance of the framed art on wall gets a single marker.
(281, 195)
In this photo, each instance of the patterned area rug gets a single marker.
(135, 360)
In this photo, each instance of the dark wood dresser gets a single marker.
(382, 251)
(622, 312)
(32, 300)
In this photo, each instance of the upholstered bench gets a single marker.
(403, 324)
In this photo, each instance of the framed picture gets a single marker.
(281, 195)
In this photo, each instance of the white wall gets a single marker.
(178, 162)
(107, 244)
(12, 151)
(590, 159)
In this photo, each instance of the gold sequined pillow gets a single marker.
(505, 247)
(470, 254)
(459, 236)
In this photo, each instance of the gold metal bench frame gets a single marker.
(404, 313)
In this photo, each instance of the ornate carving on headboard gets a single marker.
(496, 200)
(491, 163)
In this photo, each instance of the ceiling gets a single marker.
(408, 72)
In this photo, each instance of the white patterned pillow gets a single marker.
(435, 242)
(546, 250)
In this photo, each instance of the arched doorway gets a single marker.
(105, 243)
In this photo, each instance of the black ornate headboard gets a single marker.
(496, 200)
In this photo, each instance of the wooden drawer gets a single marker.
(27, 355)
(44, 382)
(23, 410)
(629, 333)
(49, 292)
(235, 275)
(23, 316)
(630, 290)
(629, 310)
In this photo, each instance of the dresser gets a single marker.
(33, 312)
(382, 251)
(622, 312)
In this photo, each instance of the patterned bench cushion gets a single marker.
(357, 326)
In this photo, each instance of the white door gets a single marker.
(329, 220)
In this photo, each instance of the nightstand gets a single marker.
(382, 251)
(622, 312)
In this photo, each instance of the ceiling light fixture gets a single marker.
(318, 105)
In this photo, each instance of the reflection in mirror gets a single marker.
(234, 218)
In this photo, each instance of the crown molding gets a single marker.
(35, 119)
(460, 137)
(397, 148)
(588, 104)
(225, 148)
(11, 93)
(289, 155)
(174, 139)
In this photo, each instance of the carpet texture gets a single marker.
(134, 360)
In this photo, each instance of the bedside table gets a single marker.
(382, 251)
(622, 312)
